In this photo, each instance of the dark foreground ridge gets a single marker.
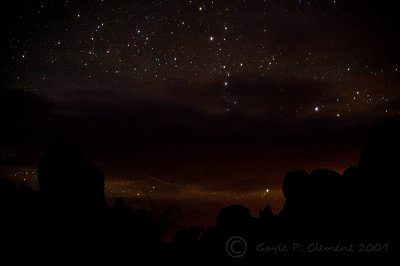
(326, 214)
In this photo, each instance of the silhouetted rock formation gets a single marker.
(266, 215)
(234, 217)
(7, 196)
(321, 206)
(374, 181)
(68, 182)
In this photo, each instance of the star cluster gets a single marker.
(219, 97)
(58, 46)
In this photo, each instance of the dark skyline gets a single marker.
(197, 100)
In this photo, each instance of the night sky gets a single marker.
(196, 101)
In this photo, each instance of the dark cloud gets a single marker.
(189, 143)
(159, 106)
(260, 98)
(22, 115)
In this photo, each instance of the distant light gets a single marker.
(226, 83)
(316, 109)
(211, 38)
(337, 115)
(267, 190)
(200, 8)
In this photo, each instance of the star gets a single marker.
(227, 61)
